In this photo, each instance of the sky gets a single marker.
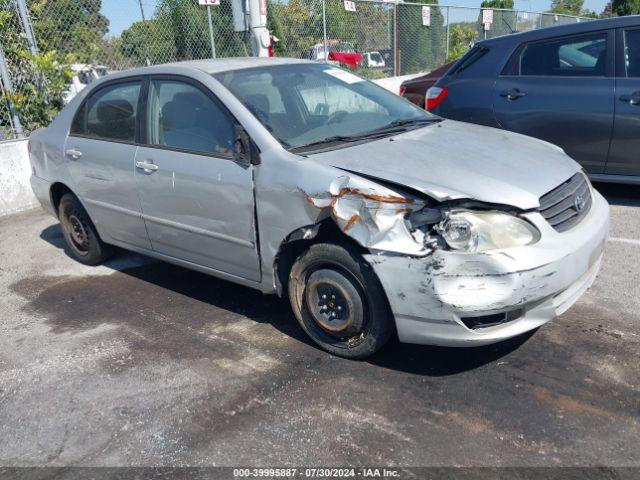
(122, 13)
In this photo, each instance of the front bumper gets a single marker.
(430, 296)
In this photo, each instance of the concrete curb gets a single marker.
(15, 189)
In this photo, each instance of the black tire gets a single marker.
(339, 301)
(83, 242)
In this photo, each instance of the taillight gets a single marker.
(434, 97)
(402, 90)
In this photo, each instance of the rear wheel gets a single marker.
(79, 232)
(339, 301)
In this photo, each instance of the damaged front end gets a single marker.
(461, 272)
(376, 218)
(385, 220)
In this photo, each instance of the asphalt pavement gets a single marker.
(143, 363)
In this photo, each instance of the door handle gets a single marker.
(147, 166)
(73, 153)
(633, 99)
(512, 94)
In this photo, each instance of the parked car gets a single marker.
(576, 86)
(302, 179)
(373, 60)
(82, 75)
(336, 53)
(415, 89)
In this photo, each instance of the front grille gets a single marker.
(565, 206)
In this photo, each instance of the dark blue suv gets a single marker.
(577, 86)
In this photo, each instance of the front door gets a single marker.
(197, 202)
(561, 90)
(100, 152)
(624, 157)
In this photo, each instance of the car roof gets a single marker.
(566, 29)
(211, 66)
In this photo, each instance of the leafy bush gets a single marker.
(460, 41)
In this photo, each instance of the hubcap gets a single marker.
(331, 305)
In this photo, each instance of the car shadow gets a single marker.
(442, 361)
(201, 293)
(619, 194)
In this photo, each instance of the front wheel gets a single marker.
(339, 301)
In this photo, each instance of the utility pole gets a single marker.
(141, 10)
(324, 31)
(446, 56)
(260, 37)
(212, 40)
(146, 45)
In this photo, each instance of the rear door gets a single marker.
(197, 201)
(624, 157)
(100, 150)
(561, 90)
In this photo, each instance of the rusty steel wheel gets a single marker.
(75, 231)
(339, 301)
(79, 232)
(334, 303)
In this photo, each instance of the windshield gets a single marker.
(304, 104)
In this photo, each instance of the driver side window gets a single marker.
(182, 116)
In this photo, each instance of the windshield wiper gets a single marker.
(407, 122)
(397, 126)
(341, 139)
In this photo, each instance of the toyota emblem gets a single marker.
(579, 203)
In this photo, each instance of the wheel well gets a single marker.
(294, 246)
(57, 191)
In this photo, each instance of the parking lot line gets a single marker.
(630, 241)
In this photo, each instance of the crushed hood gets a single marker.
(454, 160)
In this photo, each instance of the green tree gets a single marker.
(144, 41)
(179, 31)
(40, 81)
(420, 47)
(70, 27)
(589, 13)
(625, 7)
(299, 22)
(508, 4)
(567, 7)
(184, 23)
(461, 36)
(274, 25)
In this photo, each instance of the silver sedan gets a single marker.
(297, 178)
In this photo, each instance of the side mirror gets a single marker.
(245, 150)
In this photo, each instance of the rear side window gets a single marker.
(471, 57)
(632, 52)
(110, 113)
(577, 56)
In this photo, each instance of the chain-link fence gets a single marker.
(51, 49)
